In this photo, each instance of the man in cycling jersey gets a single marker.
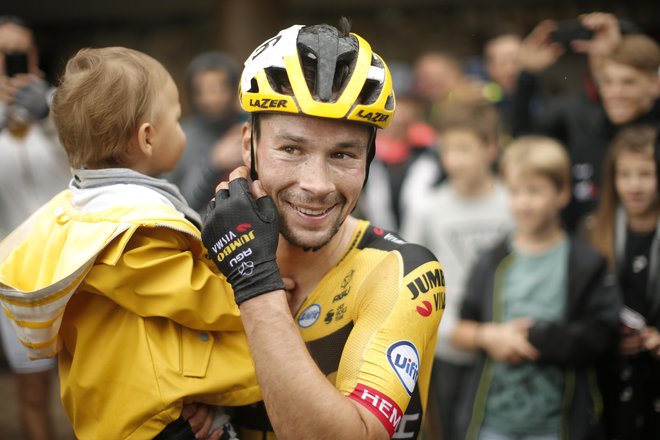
(348, 352)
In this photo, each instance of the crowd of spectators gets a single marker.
(455, 173)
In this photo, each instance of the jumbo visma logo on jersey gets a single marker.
(426, 285)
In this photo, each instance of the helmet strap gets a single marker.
(253, 158)
(371, 153)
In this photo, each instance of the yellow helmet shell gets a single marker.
(369, 72)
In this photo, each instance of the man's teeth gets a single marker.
(310, 211)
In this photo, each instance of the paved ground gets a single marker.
(9, 424)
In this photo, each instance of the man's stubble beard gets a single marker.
(289, 234)
(294, 240)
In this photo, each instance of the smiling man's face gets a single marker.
(314, 169)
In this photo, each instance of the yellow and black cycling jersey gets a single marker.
(371, 327)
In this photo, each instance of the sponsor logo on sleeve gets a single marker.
(426, 282)
(404, 360)
(329, 316)
(394, 239)
(425, 309)
(409, 421)
(345, 286)
(309, 316)
(427, 291)
(386, 409)
(335, 315)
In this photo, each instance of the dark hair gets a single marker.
(213, 60)
(635, 138)
(13, 19)
(501, 30)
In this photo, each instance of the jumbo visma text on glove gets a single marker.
(241, 237)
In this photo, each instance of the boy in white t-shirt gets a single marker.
(465, 215)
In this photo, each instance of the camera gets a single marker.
(570, 30)
(16, 63)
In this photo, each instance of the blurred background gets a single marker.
(174, 32)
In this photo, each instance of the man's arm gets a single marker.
(300, 401)
(537, 53)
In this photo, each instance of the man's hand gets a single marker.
(538, 51)
(630, 341)
(200, 418)
(27, 92)
(33, 99)
(508, 342)
(606, 38)
(241, 236)
(651, 341)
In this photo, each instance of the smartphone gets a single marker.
(16, 63)
(570, 30)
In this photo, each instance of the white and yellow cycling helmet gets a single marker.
(317, 71)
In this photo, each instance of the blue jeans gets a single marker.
(489, 433)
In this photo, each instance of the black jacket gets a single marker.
(574, 344)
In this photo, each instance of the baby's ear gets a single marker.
(139, 147)
(144, 137)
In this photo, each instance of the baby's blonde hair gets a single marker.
(103, 97)
(539, 155)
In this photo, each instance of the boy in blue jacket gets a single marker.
(540, 308)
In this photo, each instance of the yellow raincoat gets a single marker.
(141, 321)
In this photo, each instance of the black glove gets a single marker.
(241, 237)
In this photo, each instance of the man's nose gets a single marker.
(315, 177)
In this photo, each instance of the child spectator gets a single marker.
(628, 90)
(539, 309)
(112, 273)
(464, 216)
(405, 169)
(625, 230)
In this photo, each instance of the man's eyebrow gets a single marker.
(349, 144)
(289, 137)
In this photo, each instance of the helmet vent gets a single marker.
(279, 80)
(254, 86)
(369, 92)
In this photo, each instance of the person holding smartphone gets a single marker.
(33, 168)
(624, 89)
